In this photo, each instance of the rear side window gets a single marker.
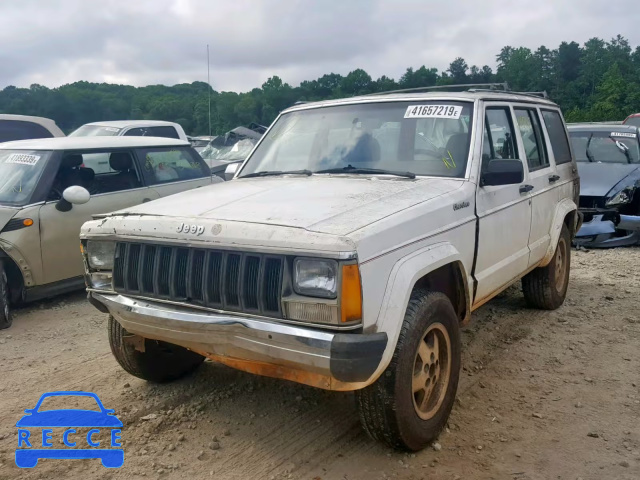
(17, 130)
(163, 165)
(166, 132)
(557, 136)
(532, 140)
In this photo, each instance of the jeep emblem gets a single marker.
(191, 229)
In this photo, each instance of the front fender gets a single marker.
(564, 207)
(404, 275)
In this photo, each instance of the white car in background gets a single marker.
(131, 128)
(126, 128)
(24, 127)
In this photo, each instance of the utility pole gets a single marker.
(209, 83)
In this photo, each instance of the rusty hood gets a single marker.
(326, 204)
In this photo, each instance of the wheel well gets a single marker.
(447, 279)
(14, 279)
(570, 222)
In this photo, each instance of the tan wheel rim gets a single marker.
(561, 267)
(431, 371)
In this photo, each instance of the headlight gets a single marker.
(100, 254)
(620, 198)
(315, 278)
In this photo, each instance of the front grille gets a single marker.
(235, 281)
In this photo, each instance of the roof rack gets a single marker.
(487, 87)
(542, 94)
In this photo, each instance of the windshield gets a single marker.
(237, 151)
(605, 147)
(20, 171)
(425, 138)
(95, 131)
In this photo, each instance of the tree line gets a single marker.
(597, 81)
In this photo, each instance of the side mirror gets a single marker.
(231, 170)
(74, 195)
(503, 172)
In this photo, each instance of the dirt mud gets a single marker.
(543, 395)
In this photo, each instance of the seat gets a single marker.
(126, 177)
(366, 150)
(458, 148)
(68, 175)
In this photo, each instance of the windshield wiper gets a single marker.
(270, 173)
(589, 154)
(623, 148)
(352, 169)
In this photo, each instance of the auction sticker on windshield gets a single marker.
(433, 111)
(623, 134)
(22, 159)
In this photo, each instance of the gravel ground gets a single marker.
(543, 395)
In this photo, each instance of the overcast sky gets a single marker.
(142, 42)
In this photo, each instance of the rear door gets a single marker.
(568, 184)
(504, 211)
(60, 231)
(542, 179)
(173, 170)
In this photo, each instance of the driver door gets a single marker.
(59, 231)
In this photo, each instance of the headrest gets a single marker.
(87, 174)
(120, 161)
(71, 161)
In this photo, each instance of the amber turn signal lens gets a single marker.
(351, 294)
(27, 222)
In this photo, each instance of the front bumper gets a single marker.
(332, 361)
(607, 228)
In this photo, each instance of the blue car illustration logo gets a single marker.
(32, 447)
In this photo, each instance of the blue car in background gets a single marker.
(28, 456)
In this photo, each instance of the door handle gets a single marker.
(145, 200)
(554, 178)
(526, 188)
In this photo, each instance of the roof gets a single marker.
(45, 122)
(92, 143)
(601, 127)
(469, 96)
(134, 123)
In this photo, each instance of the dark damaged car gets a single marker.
(608, 159)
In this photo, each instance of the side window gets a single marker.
(557, 136)
(499, 141)
(532, 139)
(167, 132)
(135, 132)
(162, 165)
(103, 172)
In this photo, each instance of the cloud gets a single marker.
(145, 42)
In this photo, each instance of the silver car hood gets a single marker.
(597, 179)
(334, 205)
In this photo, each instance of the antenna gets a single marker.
(209, 83)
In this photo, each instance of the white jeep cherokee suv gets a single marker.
(348, 249)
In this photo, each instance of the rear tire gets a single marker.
(160, 362)
(409, 405)
(6, 317)
(546, 287)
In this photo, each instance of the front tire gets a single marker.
(409, 405)
(160, 362)
(6, 317)
(546, 287)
